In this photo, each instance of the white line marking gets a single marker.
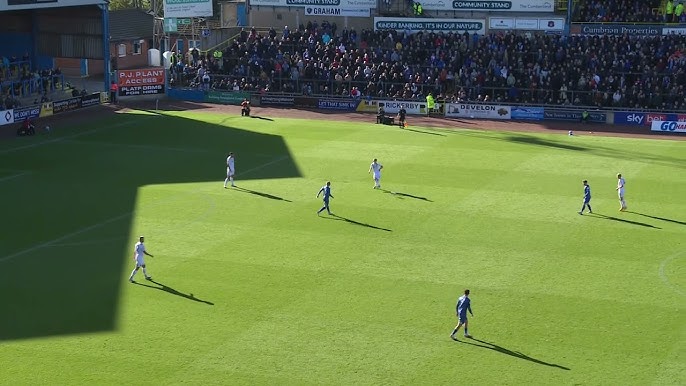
(149, 147)
(263, 166)
(65, 237)
(665, 278)
(76, 135)
(13, 176)
(91, 242)
(108, 221)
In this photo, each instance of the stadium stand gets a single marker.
(618, 11)
(603, 71)
(20, 84)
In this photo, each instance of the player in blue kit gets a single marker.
(587, 198)
(463, 305)
(326, 190)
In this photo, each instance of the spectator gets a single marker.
(669, 11)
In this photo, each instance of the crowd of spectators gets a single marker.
(603, 71)
(19, 80)
(618, 11)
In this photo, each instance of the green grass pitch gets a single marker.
(252, 287)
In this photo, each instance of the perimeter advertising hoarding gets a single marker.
(490, 5)
(527, 113)
(668, 126)
(481, 111)
(24, 113)
(572, 115)
(66, 105)
(338, 104)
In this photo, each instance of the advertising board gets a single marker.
(46, 109)
(616, 29)
(490, 5)
(480, 111)
(6, 117)
(24, 113)
(66, 105)
(343, 4)
(668, 126)
(227, 97)
(527, 23)
(275, 100)
(90, 100)
(338, 104)
(629, 118)
(337, 11)
(141, 82)
(187, 8)
(527, 113)
(572, 115)
(477, 26)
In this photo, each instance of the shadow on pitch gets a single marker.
(503, 350)
(424, 132)
(403, 195)
(262, 118)
(340, 218)
(172, 291)
(660, 218)
(623, 220)
(529, 140)
(261, 194)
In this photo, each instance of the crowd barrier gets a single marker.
(659, 122)
(47, 109)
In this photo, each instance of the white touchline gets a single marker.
(108, 221)
(13, 176)
(76, 135)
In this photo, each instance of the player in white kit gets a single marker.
(230, 170)
(620, 192)
(138, 256)
(376, 167)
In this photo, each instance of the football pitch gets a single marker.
(250, 286)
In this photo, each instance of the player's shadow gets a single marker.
(262, 118)
(660, 218)
(340, 218)
(172, 291)
(529, 140)
(261, 194)
(424, 132)
(516, 354)
(623, 220)
(403, 195)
